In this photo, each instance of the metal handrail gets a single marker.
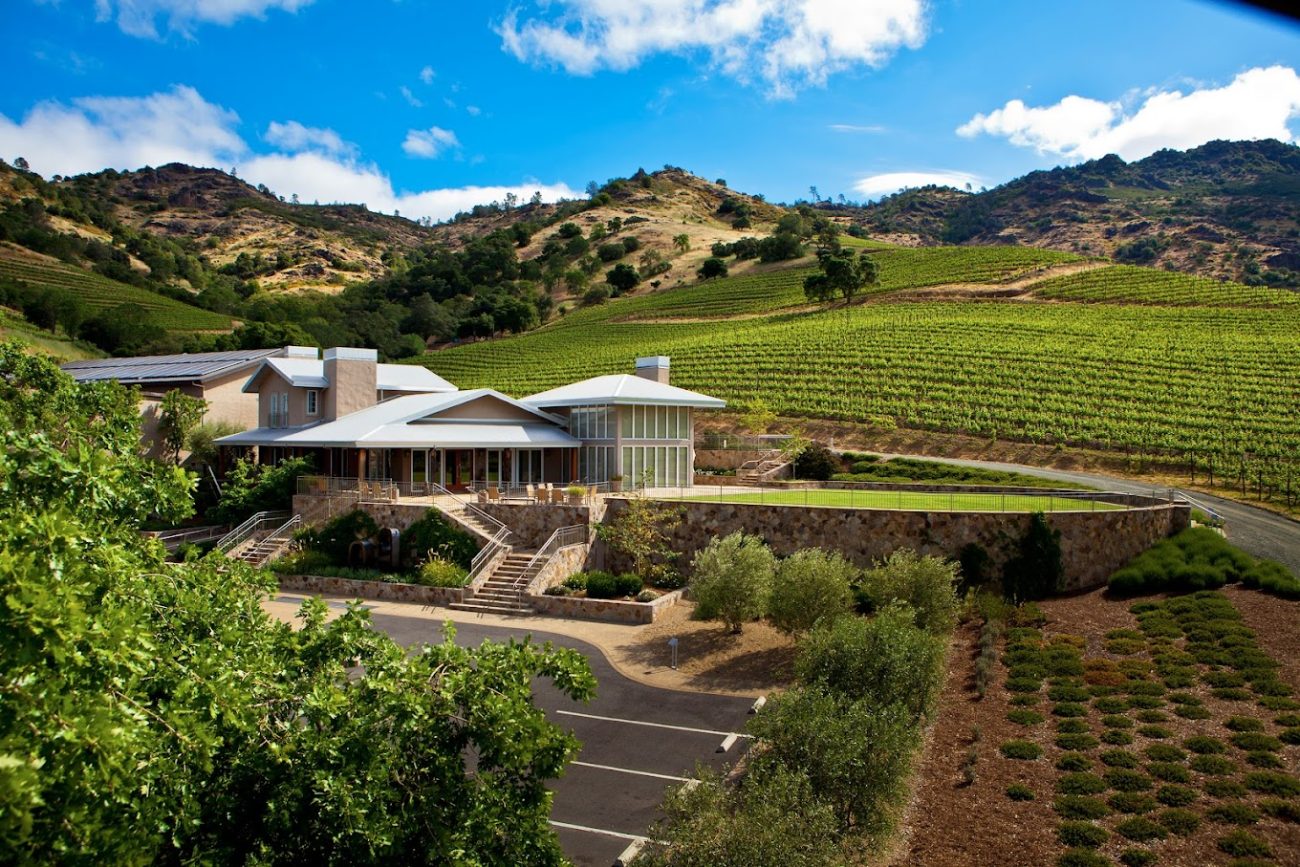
(1175, 494)
(564, 537)
(480, 566)
(247, 528)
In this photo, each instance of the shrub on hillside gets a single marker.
(732, 580)
(927, 584)
(1200, 559)
(334, 538)
(434, 535)
(437, 572)
(808, 586)
(252, 488)
(603, 585)
(1036, 571)
(816, 462)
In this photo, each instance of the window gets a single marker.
(592, 422)
(313, 402)
(656, 422)
(278, 416)
(656, 466)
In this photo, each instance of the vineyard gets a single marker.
(1217, 385)
(1128, 284)
(100, 293)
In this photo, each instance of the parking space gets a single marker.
(637, 742)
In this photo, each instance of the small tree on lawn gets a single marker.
(641, 533)
(732, 580)
(809, 586)
(179, 416)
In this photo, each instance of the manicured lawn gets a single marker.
(905, 500)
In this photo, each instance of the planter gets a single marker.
(575, 500)
(615, 486)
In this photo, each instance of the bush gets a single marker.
(611, 252)
(1076, 833)
(1080, 784)
(1080, 807)
(1137, 858)
(433, 535)
(303, 562)
(808, 586)
(1036, 571)
(1074, 762)
(1224, 789)
(885, 660)
(1233, 814)
(1020, 792)
(1200, 559)
(712, 268)
(1155, 732)
(1213, 765)
(1021, 750)
(1119, 759)
(1141, 830)
(252, 488)
(437, 572)
(335, 538)
(732, 580)
(1081, 858)
(1243, 844)
(603, 585)
(1255, 741)
(1024, 717)
(1204, 745)
(1273, 783)
(1176, 796)
(1117, 737)
(927, 584)
(1287, 811)
(1077, 741)
(1132, 802)
(816, 462)
(1179, 821)
(1126, 780)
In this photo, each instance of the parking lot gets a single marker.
(637, 742)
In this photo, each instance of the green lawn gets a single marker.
(912, 501)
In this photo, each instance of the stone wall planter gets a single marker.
(611, 610)
(317, 584)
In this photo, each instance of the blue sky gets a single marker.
(429, 106)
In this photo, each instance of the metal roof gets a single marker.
(186, 367)
(404, 422)
(310, 373)
(622, 390)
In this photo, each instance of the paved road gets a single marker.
(637, 742)
(1257, 531)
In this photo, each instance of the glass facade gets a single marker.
(592, 422)
(657, 466)
(656, 422)
(595, 463)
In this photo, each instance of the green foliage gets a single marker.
(1137, 858)
(1081, 858)
(1141, 830)
(1175, 795)
(773, 817)
(1134, 285)
(1273, 783)
(1080, 783)
(622, 278)
(1243, 844)
(1021, 750)
(252, 488)
(1080, 807)
(843, 274)
(1074, 762)
(1200, 559)
(433, 536)
(732, 580)
(1077, 833)
(808, 586)
(927, 584)
(885, 660)
(1020, 792)
(603, 585)
(154, 713)
(437, 572)
(1036, 571)
(179, 415)
(641, 532)
(335, 537)
(816, 462)
(712, 268)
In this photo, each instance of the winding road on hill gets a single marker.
(1257, 531)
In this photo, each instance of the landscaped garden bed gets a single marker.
(1157, 730)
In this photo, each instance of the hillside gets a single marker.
(1011, 344)
(1228, 210)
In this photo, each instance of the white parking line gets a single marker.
(630, 771)
(637, 722)
(634, 837)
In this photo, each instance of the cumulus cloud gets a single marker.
(874, 186)
(429, 143)
(140, 17)
(787, 44)
(411, 98)
(179, 125)
(1259, 103)
(427, 75)
(293, 136)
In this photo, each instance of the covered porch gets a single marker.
(419, 471)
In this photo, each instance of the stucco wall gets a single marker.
(1093, 544)
(228, 403)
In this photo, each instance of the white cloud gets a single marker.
(854, 127)
(1257, 104)
(429, 143)
(788, 44)
(473, 110)
(427, 75)
(179, 125)
(139, 17)
(874, 186)
(293, 136)
(411, 98)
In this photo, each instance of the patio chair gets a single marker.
(557, 496)
(530, 493)
(494, 494)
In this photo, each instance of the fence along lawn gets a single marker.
(910, 501)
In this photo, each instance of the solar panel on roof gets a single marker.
(160, 368)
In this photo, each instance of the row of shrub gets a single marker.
(737, 579)
(873, 468)
(599, 585)
(828, 774)
(1201, 559)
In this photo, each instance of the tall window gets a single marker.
(656, 422)
(313, 402)
(592, 422)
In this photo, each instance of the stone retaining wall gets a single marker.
(317, 510)
(1093, 544)
(613, 610)
(316, 584)
(566, 562)
(727, 459)
(532, 523)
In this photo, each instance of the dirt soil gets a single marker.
(951, 823)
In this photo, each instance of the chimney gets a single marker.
(302, 352)
(653, 367)
(352, 377)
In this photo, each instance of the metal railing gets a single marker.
(565, 537)
(914, 498)
(1216, 519)
(251, 525)
(487, 558)
(173, 539)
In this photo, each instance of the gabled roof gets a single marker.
(310, 373)
(622, 390)
(184, 367)
(411, 420)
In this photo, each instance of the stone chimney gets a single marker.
(653, 367)
(352, 375)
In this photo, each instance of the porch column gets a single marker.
(573, 464)
(361, 466)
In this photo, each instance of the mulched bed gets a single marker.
(1093, 671)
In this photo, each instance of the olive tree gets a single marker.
(927, 584)
(732, 580)
(809, 586)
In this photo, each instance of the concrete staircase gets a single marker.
(503, 591)
(765, 469)
(262, 551)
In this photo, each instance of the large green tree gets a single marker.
(154, 713)
(843, 274)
